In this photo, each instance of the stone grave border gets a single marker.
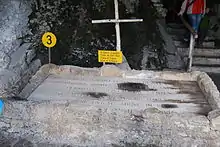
(205, 83)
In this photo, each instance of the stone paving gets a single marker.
(103, 92)
(72, 106)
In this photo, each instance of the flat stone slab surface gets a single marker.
(72, 106)
(126, 94)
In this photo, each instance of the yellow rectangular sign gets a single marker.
(110, 56)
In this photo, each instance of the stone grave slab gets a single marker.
(127, 94)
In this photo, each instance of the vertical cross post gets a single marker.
(117, 27)
(117, 22)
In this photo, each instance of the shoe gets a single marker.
(186, 39)
(196, 36)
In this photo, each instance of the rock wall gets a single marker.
(17, 62)
(173, 58)
(23, 23)
(79, 39)
(130, 5)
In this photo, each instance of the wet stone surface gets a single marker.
(167, 106)
(96, 94)
(134, 87)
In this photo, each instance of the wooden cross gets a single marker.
(117, 21)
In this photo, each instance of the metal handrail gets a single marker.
(192, 43)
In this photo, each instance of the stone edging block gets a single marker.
(111, 70)
(36, 80)
(214, 118)
(204, 81)
(213, 96)
(209, 89)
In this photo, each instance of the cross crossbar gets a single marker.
(117, 21)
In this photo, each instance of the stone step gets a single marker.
(206, 61)
(206, 53)
(177, 31)
(158, 5)
(175, 26)
(181, 28)
(206, 69)
(207, 44)
(181, 38)
(198, 52)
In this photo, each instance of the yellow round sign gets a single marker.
(49, 39)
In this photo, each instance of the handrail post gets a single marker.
(191, 48)
(191, 45)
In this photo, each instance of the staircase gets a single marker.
(205, 58)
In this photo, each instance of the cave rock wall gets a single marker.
(17, 62)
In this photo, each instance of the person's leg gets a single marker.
(202, 35)
(193, 22)
(187, 34)
(199, 31)
(198, 21)
(192, 19)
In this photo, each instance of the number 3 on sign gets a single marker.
(49, 40)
